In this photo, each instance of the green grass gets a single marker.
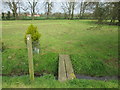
(15, 62)
(93, 65)
(93, 49)
(62, 36)
(49, 81)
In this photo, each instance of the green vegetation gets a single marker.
(64, 36)
(49, 81)
(35, 35)
(94, 65)
(15, 62)
(93, 49)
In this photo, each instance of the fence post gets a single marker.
(30, 57)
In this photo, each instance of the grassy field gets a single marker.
(93, 48)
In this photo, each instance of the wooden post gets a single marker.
(30, 57)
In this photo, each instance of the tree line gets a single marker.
(102, 11)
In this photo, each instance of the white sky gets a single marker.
(56, 8)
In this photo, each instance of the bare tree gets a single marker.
(39, 7)
(32, 5)
(83, 6)
(13, 5)
(69, 8)
(73, 8)
(22, 6)
(64, 10)
(66, 6)
(48, 8)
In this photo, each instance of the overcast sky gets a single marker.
(40, 8)
(57, 5)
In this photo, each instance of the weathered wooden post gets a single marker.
(30, 57)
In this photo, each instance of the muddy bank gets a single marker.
(80, 76)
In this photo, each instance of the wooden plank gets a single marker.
(30, 57)
(62, 72)
(69, 69)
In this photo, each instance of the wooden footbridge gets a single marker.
(65, 70)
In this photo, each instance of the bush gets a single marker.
(35, 35)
